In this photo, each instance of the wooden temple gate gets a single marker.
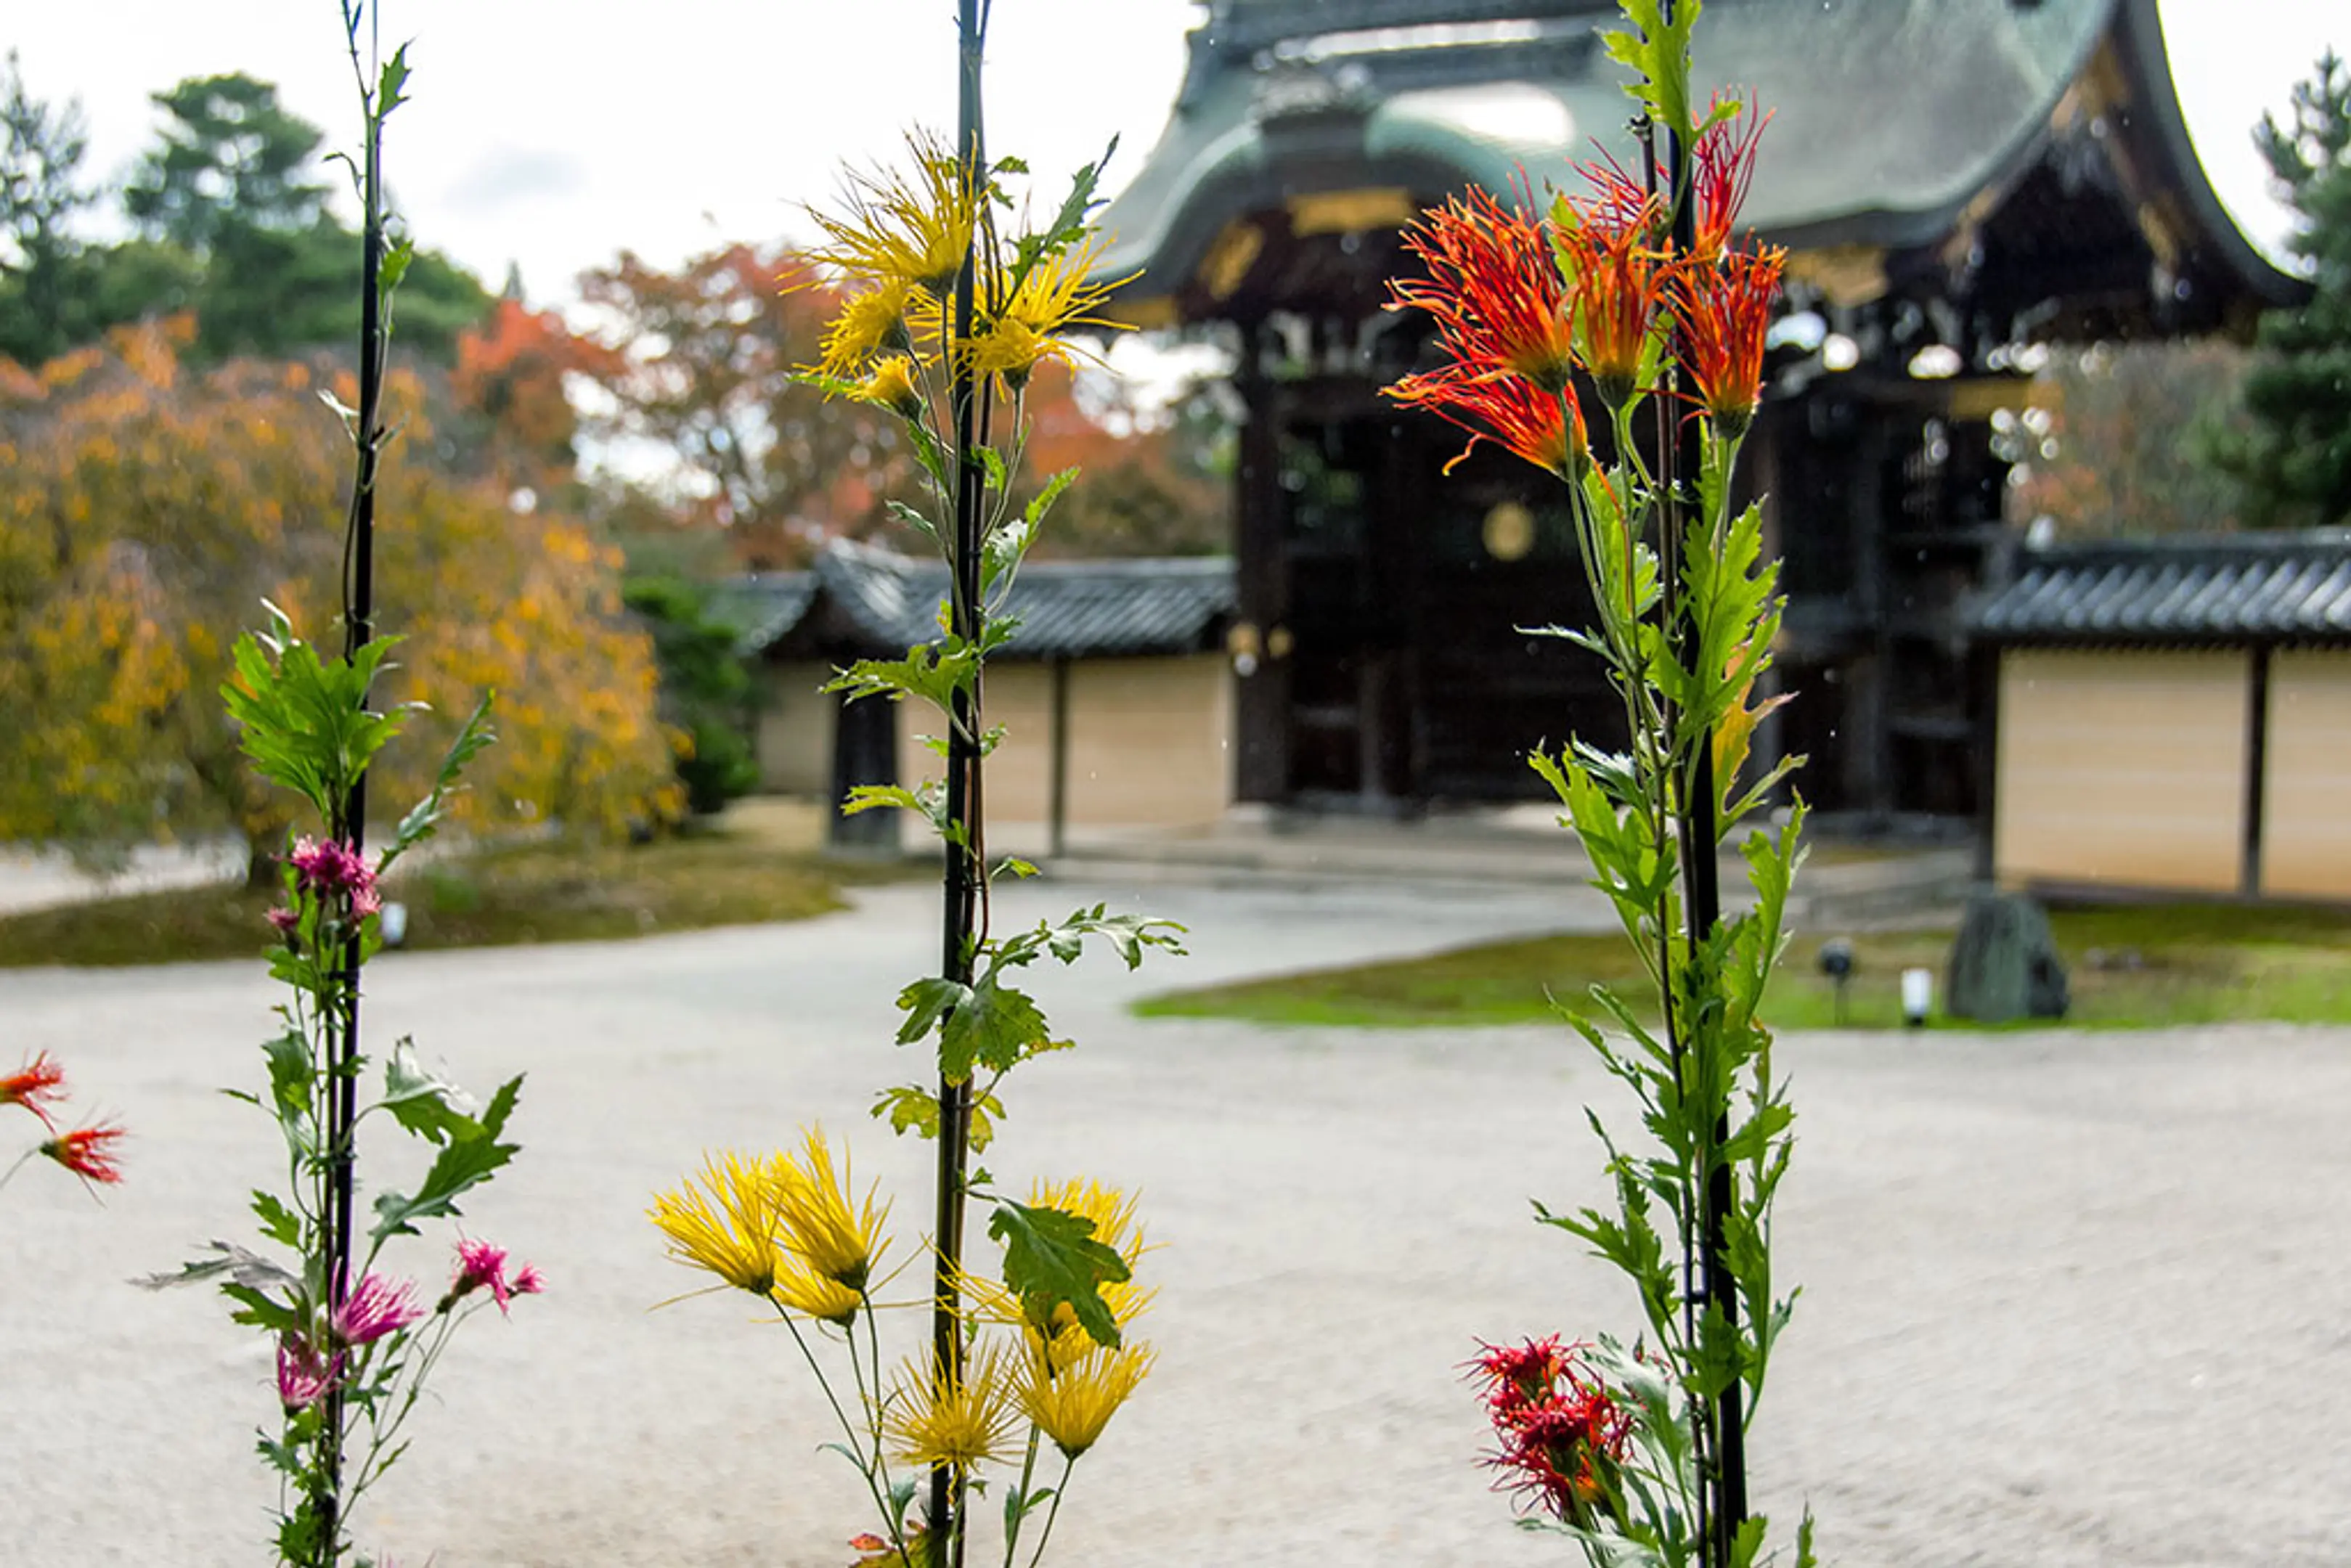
(1959, 181)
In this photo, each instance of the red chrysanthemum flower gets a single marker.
(1521, 1374)
(1722, 165)
(1492, 289)
(88, 1152)
(1545, 428)
(1725, 309)
(1563, 1435)
(33, 1086)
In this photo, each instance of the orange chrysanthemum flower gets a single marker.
(1725, 310)
(1492, 289)
(1616, 287)
(1545, 428)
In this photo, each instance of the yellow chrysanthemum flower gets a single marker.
(1112, 1211)
(1072, 1404)
(819, 1225)
(892, 386)
(963, 1425)
(802, 1290)
(872, 322)
(906, 230)
(725, 1224)
(1031, 326)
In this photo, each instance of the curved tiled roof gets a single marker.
(1890, 117)
(764, 606)
(2293, 587)
(885, 601)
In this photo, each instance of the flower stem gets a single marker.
(856, 1439)
(1054, 1513)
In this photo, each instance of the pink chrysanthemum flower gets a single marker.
(482, 1267)
(33, 1086)
(284, 921)
(376, 1307)
(304, 1376)
(335, 867)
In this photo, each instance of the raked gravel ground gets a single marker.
(2069, 1300)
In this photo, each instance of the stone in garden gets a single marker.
(2005, 963)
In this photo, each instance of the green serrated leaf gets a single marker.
(1052, 1259)
(425, 817)
(464, 1162)
(392, 82)
(257, 1308)
(432, 1108)
(919, 521)
(995, 1027)
(909, 1109)
(278, 1223)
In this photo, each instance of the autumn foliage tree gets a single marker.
(1150, 485)
(146, 509)
(702, 362)
(512, 374)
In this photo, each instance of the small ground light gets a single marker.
(1837, 964)
(394, 923)
(1917, 996)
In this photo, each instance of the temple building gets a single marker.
(1958, 181)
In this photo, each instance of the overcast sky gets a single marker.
(553, 133)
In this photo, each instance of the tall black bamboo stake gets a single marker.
(963, 872)
(359, 618)
(1702, 896)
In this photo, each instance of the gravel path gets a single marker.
(2069, 1300)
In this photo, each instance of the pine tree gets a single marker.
(2293, 465)
(41, 151)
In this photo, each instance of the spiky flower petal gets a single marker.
(34, 1086)
(332, 867)
(1071, 1403)
(901, 228)
(963, 1421)
(376, 1306)
(891, 385)
(724, 1222)
(303, 1375)
(1563, 1433)
(815, 1219)
(1725, 309)
(1546, 429)
(1722, 165)
(482, 1267)
(1616, 290)
(88, 1152)
(1492, 289)
(1053, 298)
(802, 1290)
(873, 320)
